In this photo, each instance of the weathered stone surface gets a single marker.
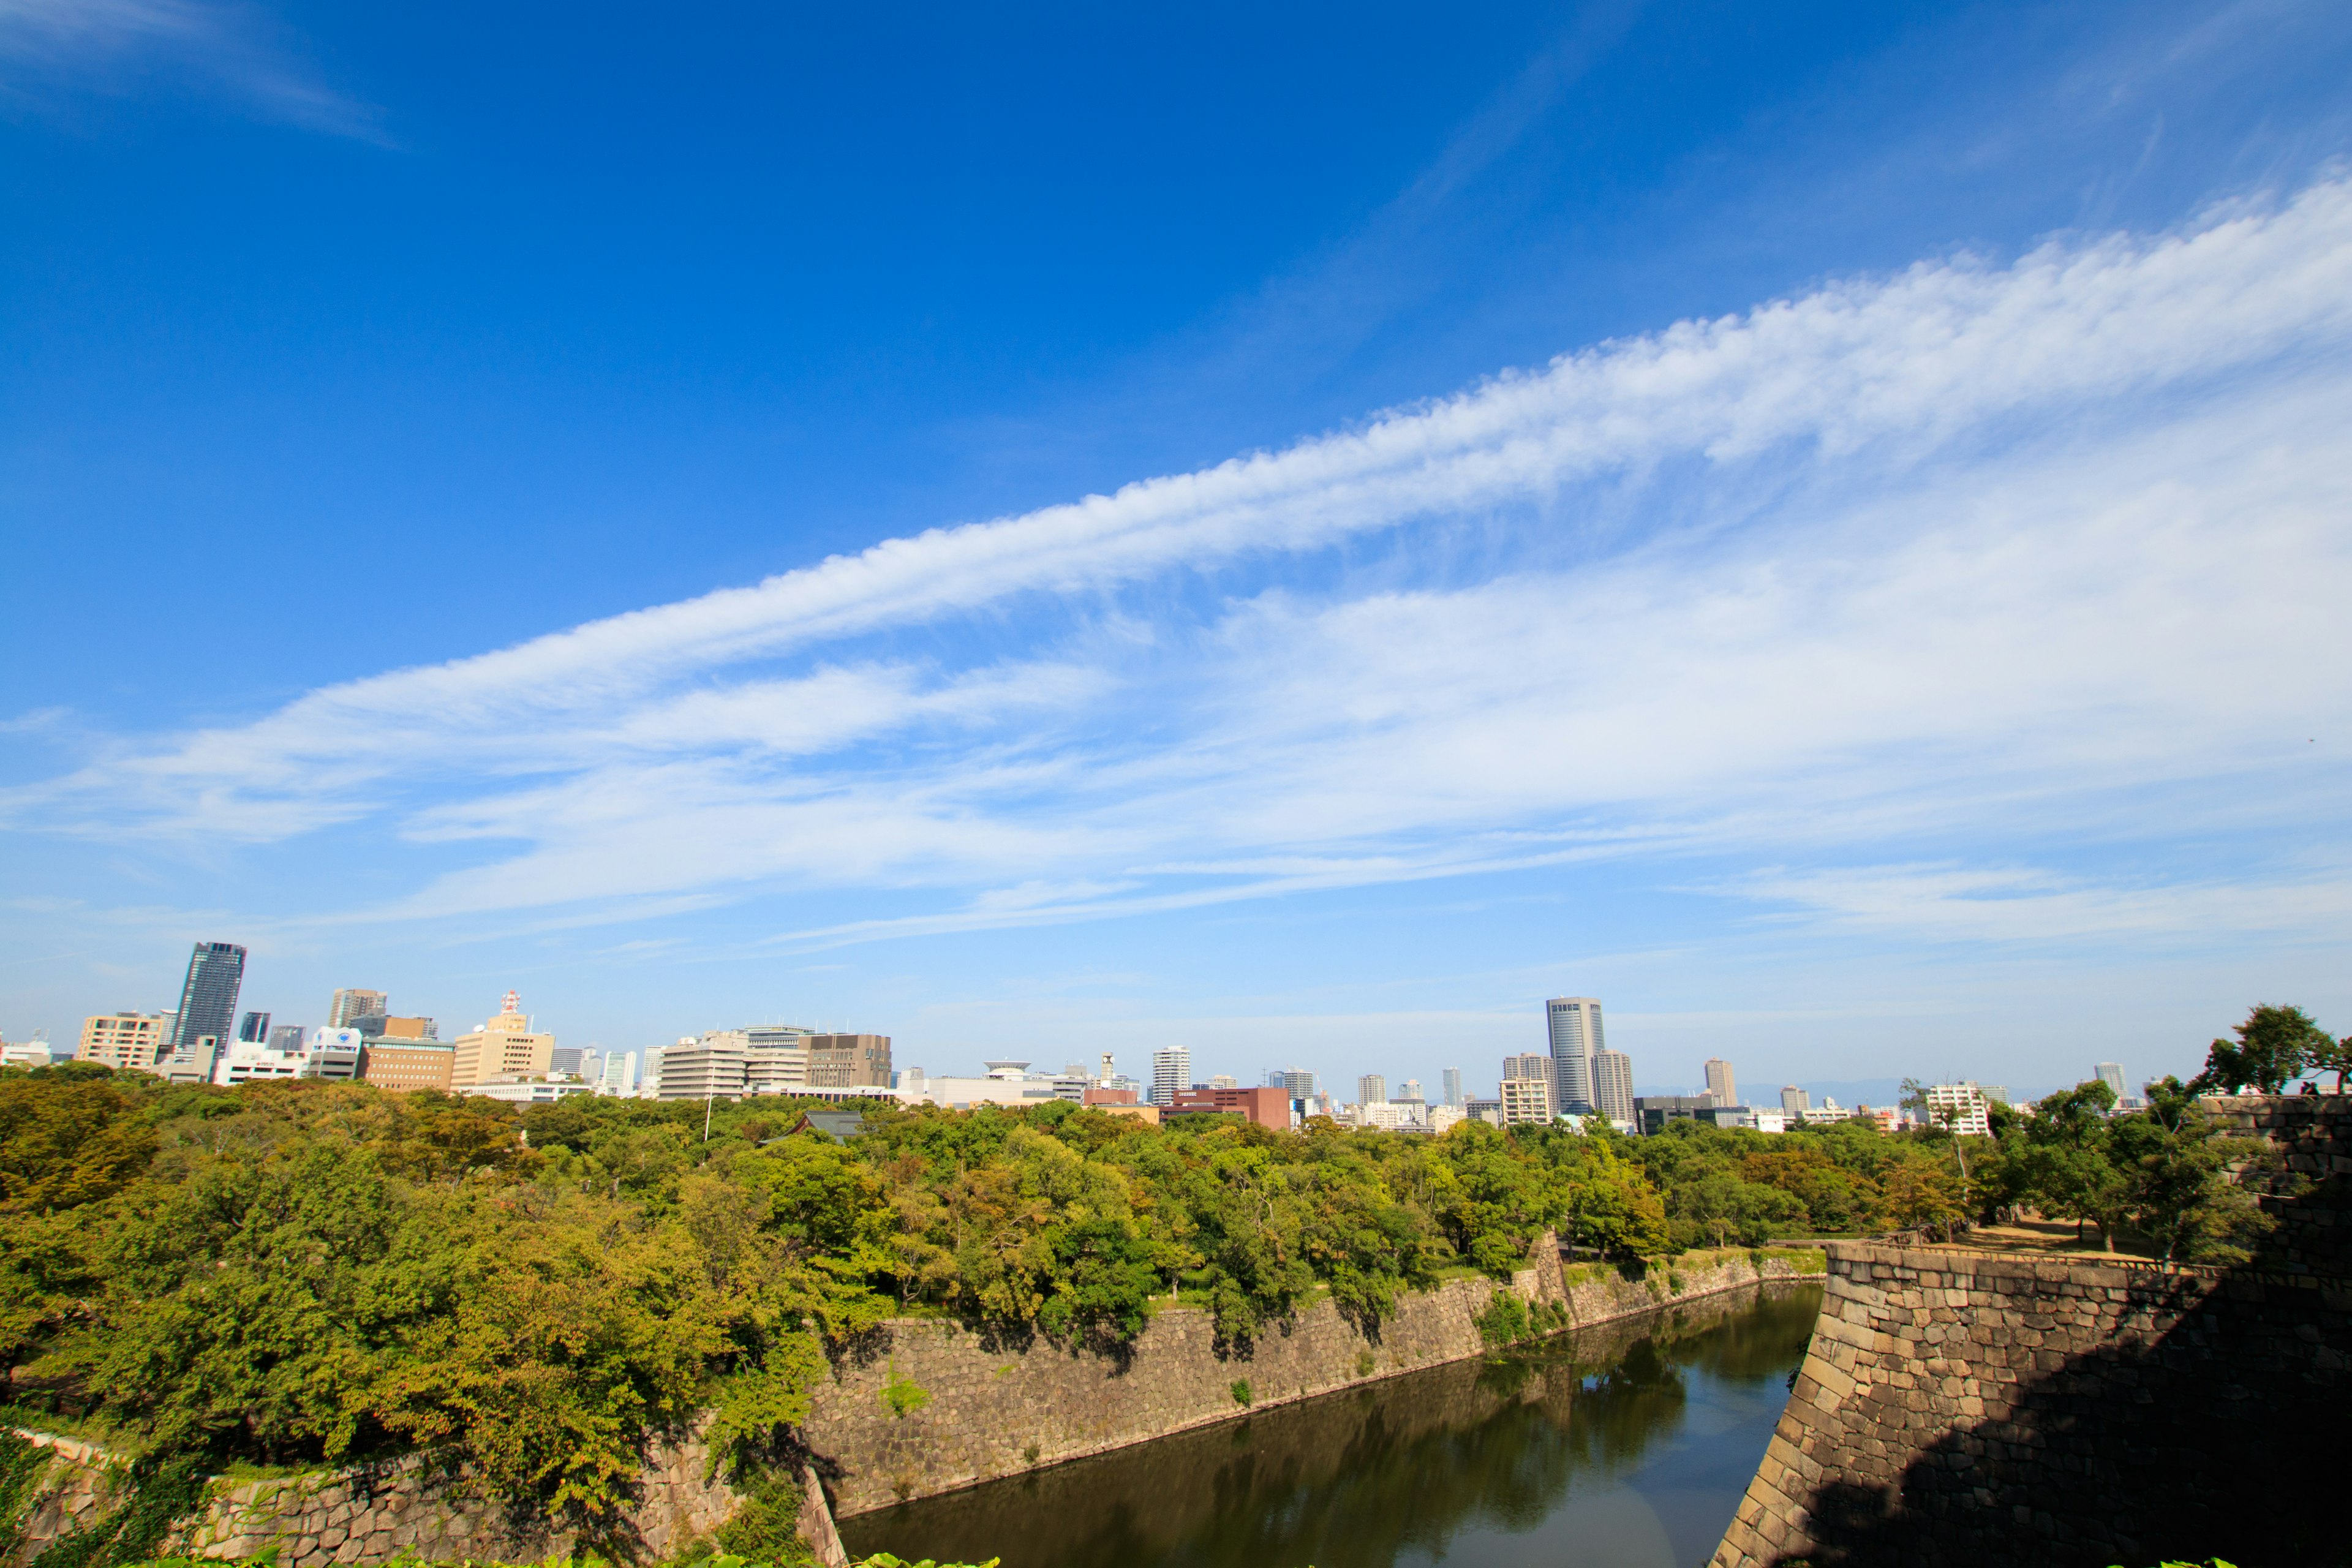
(2063, 1413)
(996, 1408)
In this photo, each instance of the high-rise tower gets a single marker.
(208, 995)
(1171, 1069)
(1576, 1039)
(351, 1005)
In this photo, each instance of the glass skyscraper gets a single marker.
(208, 997)
(1576, 1040)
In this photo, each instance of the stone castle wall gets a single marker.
(992, 1407)
(1966, 1407)
(2314, 1134)
(372, 1513)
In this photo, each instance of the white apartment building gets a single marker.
(1525, 1101)
(1960, 1106)
(1171, 1069)
(1372, 1088)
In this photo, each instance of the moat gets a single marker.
(1625, 1445)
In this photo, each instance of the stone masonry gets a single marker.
(2314, 1134)
(1966, 1407)
(995, 1408)
(372, 1513)
(992, 1408)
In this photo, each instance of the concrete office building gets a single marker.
(619, 1078)
(1613, 1086)
(531, 1092)
(1452, 1080)
(401, 1066)
(1653, 1111)
(1528, 1064)
(504, 1049)
(1372, 1088)
(1409, 1093)
(1719, 1081)
(1527, 1100)
(351, 1005)
(1009, 1082)
(2112, 1075)
(379, 1025)
(848, 1061)
(196, 1062)
(1297, 1080)
(1795, 1102)
(208, 995)
(706, 1067)
(140, 1042)
(1171, 1069)
(1573, 1026)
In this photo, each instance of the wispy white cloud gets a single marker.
(2033, 905)
(227, 46)
(1906, 554)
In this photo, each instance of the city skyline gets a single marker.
(1296, 581)
(1565, 1021)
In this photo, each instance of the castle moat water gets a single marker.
(1624, 1446)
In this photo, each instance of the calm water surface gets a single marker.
(1626, 1445)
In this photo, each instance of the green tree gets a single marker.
(2177, 1182)
(2274, 1044)
(2335, 1055)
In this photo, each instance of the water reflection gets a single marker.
(1624, 1447)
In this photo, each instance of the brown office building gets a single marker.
(403, 1065)
(849, 1061)
(126, 1039)
(1266, 1107)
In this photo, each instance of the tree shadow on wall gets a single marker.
(2216, 1438)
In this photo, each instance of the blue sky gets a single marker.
(1297, 533)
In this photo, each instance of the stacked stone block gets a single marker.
(1966, 1408)
(2314, 1135)
(996, 1407)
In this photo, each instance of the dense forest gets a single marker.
(302, 1272)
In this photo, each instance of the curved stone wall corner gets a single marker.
(1963, 1407)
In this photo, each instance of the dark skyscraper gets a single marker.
(255, 1030)
(208, 999)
